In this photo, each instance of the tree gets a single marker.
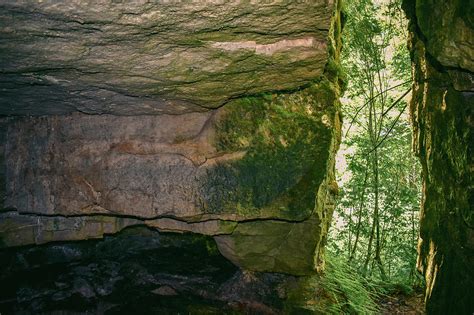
(377, 211)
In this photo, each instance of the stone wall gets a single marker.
(442, 47)
(154, 57)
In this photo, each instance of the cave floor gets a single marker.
(137, 272)
(402, 304)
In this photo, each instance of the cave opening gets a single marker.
(376, 221)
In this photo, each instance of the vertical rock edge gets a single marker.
(442, 116)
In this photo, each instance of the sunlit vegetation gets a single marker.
(375, 227)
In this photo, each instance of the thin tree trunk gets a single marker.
(349, 236)
(359, 217)
(413, 243)
(369, 248)
(375, 230)
(378, 258)
(374, 219)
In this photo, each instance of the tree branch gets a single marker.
(389, 131)
(371, 99)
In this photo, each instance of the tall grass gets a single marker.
(347, 291)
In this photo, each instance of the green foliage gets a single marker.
(343, 290)
(376, 226)
(335, 71)
(348, 292)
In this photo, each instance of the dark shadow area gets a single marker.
(138, 271)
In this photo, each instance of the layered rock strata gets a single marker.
(259, 185)
(242, 149)
(155, 57)
(442, 47)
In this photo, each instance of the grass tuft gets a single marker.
(347, 291)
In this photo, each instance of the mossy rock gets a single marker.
(287, 140)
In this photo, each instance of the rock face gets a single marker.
(79, 176)
(442, 48)
(153, 57)
(241, 146)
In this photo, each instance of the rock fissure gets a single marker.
(189, 220)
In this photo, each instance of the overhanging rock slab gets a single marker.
(152, 57)
(220, 119)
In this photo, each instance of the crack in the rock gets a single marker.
(180, 219)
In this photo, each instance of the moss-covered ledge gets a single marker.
(287, 141)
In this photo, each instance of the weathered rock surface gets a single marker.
(82, 176)
(226, 157)
(152, 57)
(442, 48)
(17, 230)
(446, 27)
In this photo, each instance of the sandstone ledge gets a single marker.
(255, 174)
(158, 57)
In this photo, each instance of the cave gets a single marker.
(179, 157)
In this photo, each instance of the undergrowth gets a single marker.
(348, 292)
(345, 291)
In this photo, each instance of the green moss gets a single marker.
(443, 140)
(289, 142)
(287, 139)
(275, 246)
(334, 70)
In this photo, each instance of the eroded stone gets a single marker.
(259, 159)
(253, 173)
(155, 57)
(442, 110)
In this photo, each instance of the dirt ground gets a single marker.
(402, 304)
